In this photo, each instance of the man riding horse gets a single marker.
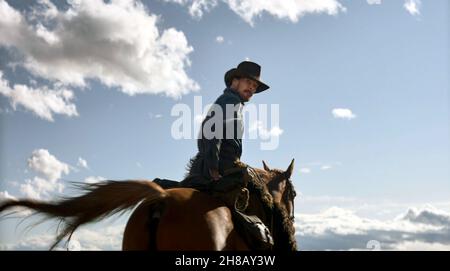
(217, 167)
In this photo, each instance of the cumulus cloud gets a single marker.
(116, 42)
(343, 113)
(291, 10)
(413, 6)
(51, 170)
(39, 188)
(48, 165)
(341, 229)
(43, 102)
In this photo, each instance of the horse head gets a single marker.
(281, 188)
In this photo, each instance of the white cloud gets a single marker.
(343, 113)
(39, 188)
(305, 170)
(421, 246)
(43, 102)
(325, 167)
(219, 39)
(341, 229)
(94, 179)
(35, 242)
(82, 163)
(281, 9)
(374, 2)
(154, 116)
(85, 238)
(116, 42)
(110, 238)
(413, 6)
(48, 165)
(74, 245)
(17, 211)
(196, 7)
(265, 133)
(429, 215)
(4, 195)
(50, 168)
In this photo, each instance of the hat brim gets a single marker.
(233, 73)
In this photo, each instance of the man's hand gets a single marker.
(214, 174)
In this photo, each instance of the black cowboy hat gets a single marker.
(246, 69)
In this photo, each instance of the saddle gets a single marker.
(233, 190)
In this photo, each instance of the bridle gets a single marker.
(291, 194)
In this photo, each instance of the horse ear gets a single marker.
(265, 166)
(290, 169)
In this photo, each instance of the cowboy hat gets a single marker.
(246, 69)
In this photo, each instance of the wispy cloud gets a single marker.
(154, 116)
(305, 170)
(82, 163)
(343, 113)
(248, 10)
(374, 2)
(115, 42)
(310, 167)
(264, 132)
(196, 7)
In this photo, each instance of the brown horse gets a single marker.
(177, 218)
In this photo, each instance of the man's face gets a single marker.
(245, 87)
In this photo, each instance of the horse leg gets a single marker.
(138, 230)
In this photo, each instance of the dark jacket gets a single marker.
(220, 152)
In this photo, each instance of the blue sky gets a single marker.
(100, 101)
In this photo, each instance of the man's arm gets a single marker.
(213, 145)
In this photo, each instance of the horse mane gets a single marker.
(284, 230)
(282, 226)
(193, 167)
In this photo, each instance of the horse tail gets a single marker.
(99, 201)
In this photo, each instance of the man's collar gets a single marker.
(235, 93)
